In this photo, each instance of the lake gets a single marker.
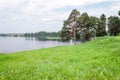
(16, 44)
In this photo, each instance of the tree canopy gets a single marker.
(119, 12)
(89, 27)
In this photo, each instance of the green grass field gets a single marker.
(95, 60)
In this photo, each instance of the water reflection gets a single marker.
(29, 38)
(40, 39)
(15, 44)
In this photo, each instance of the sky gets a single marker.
(21, 16)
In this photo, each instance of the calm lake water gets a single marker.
(16, 44)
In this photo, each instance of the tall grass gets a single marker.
(95, 60)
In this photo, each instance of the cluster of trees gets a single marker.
(42, 34)
(88, 27)
(12, 35)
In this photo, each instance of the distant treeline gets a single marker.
(39, 35)
(12, 34)
(43, 35)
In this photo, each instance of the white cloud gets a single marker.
(111, 10)
(10, 3)
(115, 7)
(51, 4)
(42, 7)
(41, 14)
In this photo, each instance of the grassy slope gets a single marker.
(95, 60)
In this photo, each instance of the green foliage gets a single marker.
(101, 30)
(42, 34)
(90, 27)
(114, 25)
(66, 34)
(95, 60)
(119, 13)
(74, 13)
(103, 17)
(83, 19)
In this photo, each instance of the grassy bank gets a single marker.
(95, 60)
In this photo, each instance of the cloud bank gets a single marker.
(17, 16)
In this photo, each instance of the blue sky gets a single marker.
(20, 16)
